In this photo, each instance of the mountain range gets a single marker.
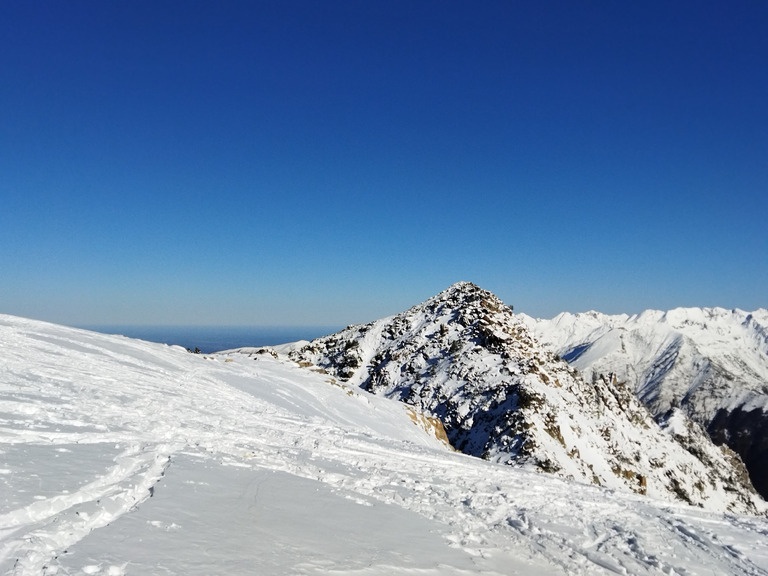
(710, 363)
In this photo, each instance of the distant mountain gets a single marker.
(710, 363)
(465, 358)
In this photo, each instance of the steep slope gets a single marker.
(464, 358)
(712, 363)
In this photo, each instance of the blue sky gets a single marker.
(318, 162)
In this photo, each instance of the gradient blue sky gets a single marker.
(319, 162)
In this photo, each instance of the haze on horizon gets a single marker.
(312, 163)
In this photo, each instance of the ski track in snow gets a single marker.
(90, 427)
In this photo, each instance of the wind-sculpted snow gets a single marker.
(125, 457)
(464, 358)
(710, 362)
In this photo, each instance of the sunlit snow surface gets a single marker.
(705, 358)
(124, 457)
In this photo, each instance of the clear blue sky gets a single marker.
(319, 162)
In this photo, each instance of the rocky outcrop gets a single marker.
(466, 359)
(746, 432)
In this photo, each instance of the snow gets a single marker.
(710, 362)
(676, 423)
(706, 358)
(126, 457)
(462, 357)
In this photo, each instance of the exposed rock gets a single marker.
(465, 358)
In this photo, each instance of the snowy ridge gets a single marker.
(464, 358)
(125, 457)
(710, 362)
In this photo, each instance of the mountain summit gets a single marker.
(466, 359)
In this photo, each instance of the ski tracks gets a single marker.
(52, 525)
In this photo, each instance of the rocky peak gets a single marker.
(464, 358)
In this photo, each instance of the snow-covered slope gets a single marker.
(125, 457)
(464, 358)
(710, 362)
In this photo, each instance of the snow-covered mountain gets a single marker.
(711, 363)
(122, 457)
(464, 358)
